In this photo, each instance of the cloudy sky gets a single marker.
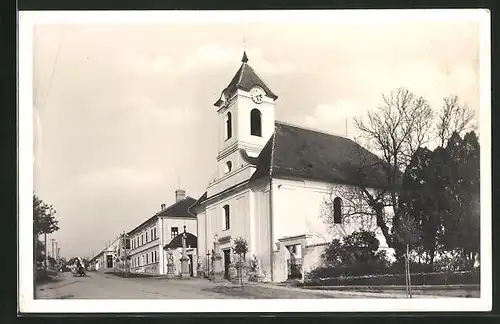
(123, 111)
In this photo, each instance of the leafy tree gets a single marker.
(240, 248)
(461, 221)
(422, 204)
(44, 221)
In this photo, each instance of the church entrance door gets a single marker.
(227, 261)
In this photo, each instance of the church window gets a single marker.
(255, 122)
(229, 166)
(226, 217)
(337, 210)
(229, 126)
(174, 231)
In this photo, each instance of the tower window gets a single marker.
(229, 126)
(226, 217)
(337, 210)
(255, 123)
(229, 166)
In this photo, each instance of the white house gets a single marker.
(271, 181)
(148, 240)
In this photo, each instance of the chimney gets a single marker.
(163, 206)
(180, 194)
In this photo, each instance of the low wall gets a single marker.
(312, 256)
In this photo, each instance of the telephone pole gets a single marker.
(46, 252)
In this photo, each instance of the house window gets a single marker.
(174, 231)
(155, 233)
(255, 123)
(229, 126)
(156, 256)
(226, 217)
(229, 166)
(127, 244)
(142, 239)
(146, 237)
(337, 210)
(147, 259)
(152, 236)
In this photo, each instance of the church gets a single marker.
(271, 182)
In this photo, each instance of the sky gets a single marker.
(124, 115)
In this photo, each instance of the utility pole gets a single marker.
(52, 255)
(126, 256)
(46, 254)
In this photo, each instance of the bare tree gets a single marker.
(453, 117)
(393, 131)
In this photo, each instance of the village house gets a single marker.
(271, 182)
(150, 241)
(107, 259)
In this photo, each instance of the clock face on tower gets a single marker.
(257, 95)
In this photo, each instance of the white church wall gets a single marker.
(239, 223)
(298, 208)
(201, 236)
(230, 180)
(261, 244)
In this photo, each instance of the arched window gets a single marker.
(255, 122)
(229, 126)
(337, 210)
(226, 217)
(229, 166)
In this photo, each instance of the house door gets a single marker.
(190, 265)
(227, 261)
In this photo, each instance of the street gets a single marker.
(107, 286)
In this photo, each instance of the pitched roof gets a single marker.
(309, 154)
(176, 242)
(178, 209)
(244, 79)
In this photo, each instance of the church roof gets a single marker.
(176, 242)
(309, 154)
(244, 79)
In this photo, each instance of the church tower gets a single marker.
(246, 112)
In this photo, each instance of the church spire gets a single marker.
(245, 57)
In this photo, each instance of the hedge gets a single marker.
(430, 278)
